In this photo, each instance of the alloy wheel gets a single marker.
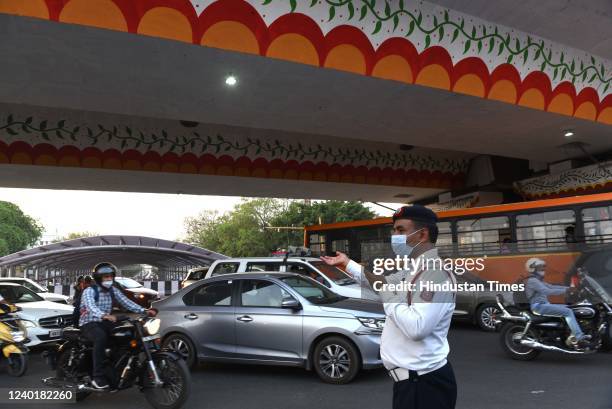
(335, 361)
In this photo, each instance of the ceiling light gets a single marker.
(568, 133)
(231, 80)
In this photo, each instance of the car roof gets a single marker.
(279, 259)
(10, 285)
(13, 278)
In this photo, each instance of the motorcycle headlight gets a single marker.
(151, 327)
(28, 324)
(18, 336)
(372, 323)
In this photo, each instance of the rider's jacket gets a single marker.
(93, 310)
(537, 290)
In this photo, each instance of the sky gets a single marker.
(139, 214)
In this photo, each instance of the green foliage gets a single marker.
(76, 235)
(18, 231)
(248, 230)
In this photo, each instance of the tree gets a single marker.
(248, 230)
(18, 231)
(75, 235)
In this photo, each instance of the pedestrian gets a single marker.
(414, 346)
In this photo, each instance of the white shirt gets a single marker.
(415, 336)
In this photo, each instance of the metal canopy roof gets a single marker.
(84, 253)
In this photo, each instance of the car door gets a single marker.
(264, 330)
(209, 318)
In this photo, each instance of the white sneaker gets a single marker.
(99, 384)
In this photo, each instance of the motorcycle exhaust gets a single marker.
(538, 345)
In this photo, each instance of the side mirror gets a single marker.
(291, 303)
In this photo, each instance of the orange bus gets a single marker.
(506, 235)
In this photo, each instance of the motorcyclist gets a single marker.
(537, 292)
(96, 320)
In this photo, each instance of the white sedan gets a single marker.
(37, 288)
(44, 320)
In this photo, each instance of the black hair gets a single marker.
(431, 228)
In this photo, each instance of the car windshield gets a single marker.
(128, 282)
(18, 294)
(311, 290)
(333, 273)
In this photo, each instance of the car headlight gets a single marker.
(18, 336)
(372, 323)
(28, 324)
(151, 327)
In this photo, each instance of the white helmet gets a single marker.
(532, 263)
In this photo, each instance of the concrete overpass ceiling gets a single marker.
(89, 106)
(582, 24)
(140, 79)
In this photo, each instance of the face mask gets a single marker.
(540, 273)
(107, 284)
(400, 246)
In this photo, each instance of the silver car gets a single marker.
(273, 318)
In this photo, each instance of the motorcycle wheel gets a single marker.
(515, 350)
(65, 373)
(17, 365)
(177, 384)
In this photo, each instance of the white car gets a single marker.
(37, 288)
(331, 277)
(44, 320)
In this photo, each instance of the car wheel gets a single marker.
(183, 346)
(485, 317)
(336, 360)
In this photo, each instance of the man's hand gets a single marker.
(109, 317)
(151, 312)
(340, 259)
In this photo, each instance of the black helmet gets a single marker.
(102, 269)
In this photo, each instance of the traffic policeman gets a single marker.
(414, 346)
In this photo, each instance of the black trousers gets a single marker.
(98, 333)
(435, 390)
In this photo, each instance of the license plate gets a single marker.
(55, 333)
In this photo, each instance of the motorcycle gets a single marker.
(524, 335)
(134, 359)
(12, 338)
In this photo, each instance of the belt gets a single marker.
(401, 374)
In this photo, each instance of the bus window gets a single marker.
(316, 243)
(340, 245)
(543, 231)
(482, 236)
(597, 224)
(445, 239)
